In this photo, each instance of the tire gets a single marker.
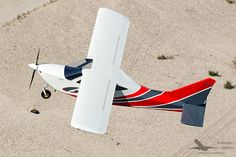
(48, 94)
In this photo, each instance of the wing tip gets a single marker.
(83, 128)
(109, 11)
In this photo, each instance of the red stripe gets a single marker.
(175, 95)
(192, 88)
(72, 95)
(168, 96)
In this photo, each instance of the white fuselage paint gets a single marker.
(53, 75)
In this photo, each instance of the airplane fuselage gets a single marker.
(65, 79)
(54, 76)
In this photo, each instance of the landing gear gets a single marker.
(45, 93)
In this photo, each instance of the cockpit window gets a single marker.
(74, 70)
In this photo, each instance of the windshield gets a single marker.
(74, 70)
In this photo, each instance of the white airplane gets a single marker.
(98, 82)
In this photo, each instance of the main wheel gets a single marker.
(47, 95)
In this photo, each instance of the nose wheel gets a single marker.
(46, 94)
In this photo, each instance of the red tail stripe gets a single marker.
(192, 88)
(173, 96)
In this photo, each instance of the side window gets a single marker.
(74, 70)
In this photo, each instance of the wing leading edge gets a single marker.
(94, 100)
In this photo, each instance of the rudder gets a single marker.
(195, 96)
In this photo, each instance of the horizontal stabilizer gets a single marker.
(195, 104)
(193, 115)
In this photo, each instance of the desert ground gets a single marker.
(199, 35)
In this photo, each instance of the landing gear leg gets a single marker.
(45, 93)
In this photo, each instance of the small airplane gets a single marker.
(201, 146)
(98, 81)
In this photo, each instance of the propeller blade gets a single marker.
(36, 63)
(37, 57)
(32, 78)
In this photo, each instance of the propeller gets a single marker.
(35, 68)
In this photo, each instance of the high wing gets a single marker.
(109, 37)
(95, 97)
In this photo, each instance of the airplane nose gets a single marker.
(33, 66)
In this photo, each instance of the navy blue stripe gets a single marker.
(169, 106)
(198, 99)
(149, 94)
(69, 88)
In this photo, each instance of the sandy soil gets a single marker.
(10, 9)
(201, 35)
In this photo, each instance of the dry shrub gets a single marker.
(228, 85)
(213, 73)
(163, 57)
(230, 1)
